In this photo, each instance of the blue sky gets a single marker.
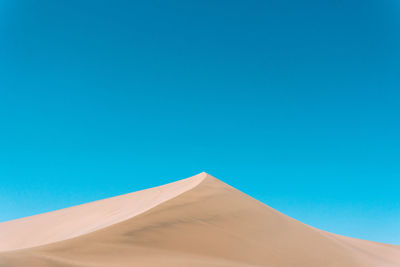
(296, 103)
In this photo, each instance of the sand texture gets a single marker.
(199, 221)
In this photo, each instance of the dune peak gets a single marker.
(198, 221)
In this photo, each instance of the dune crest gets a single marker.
(82, 219)
(199, 221)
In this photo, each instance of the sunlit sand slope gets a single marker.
(199, 221)
(79, 220)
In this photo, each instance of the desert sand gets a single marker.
(198, 221)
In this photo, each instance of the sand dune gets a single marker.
(199, 221)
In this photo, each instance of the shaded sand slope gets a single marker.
(204, 223)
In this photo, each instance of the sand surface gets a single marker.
(199, 221)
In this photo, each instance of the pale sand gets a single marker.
(199, 221)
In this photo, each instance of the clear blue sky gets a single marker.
(296, 103)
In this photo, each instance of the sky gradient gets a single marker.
(296, 103)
